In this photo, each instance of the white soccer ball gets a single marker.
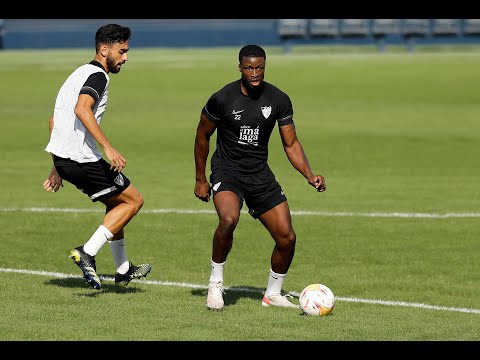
(317, 300)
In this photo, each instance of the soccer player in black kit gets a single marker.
(244, 113)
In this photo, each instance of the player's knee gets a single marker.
(228, 222)
(136, 203)
(287, 241)
(291, 240)
(140, 201)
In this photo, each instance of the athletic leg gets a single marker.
(120, 209)
(279, 223)
(227, 205)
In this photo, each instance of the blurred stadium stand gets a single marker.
(383, 32)
(471, 27)
(80, 33)
(292, 28)
(385, 27)
(75, 33)
(446, 27)
(416, 27)
(323, 28)
(2, 31)
(355, 28)
(413, 29)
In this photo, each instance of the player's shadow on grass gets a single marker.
(107, 286)
(234, 293)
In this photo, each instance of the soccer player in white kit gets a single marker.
(74, 134)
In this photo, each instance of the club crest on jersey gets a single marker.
(266, 111)
(119, 180)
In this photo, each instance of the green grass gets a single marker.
(392, 133)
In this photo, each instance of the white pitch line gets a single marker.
(294, 212)
(245, 289)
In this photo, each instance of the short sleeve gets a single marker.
(285, 111)
(212, 109)
(95, 85)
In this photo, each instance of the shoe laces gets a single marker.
(218, 285)
(284, 296)
(132, 269)
(88, 261)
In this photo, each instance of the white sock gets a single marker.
(275, 283)
(119, 255)
(216, 274)
(98, 239)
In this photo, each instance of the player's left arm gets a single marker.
(297, 157)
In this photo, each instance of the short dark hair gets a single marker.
(112, 34)
(251, 51)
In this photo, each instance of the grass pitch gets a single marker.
(395, 236)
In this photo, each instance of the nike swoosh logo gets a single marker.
(237, 112)
(216, 186)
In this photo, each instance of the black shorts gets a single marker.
(261, 192)
(93, 178)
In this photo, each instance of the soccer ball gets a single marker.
(317, 300)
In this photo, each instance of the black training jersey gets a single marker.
(244, 125)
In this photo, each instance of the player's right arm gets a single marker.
(205, 130)
(53, 182)
(83, 110)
